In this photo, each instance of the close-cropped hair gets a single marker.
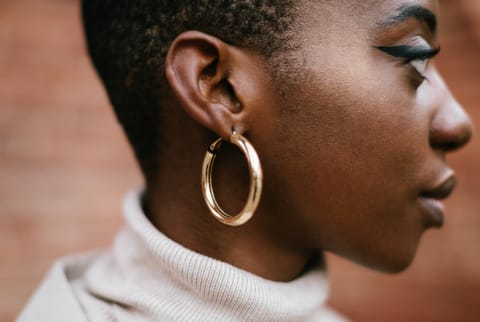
(128, 42)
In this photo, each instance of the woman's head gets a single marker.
(350, 120)
(372, 122)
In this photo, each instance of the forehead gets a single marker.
(334, 38)
(358, 14)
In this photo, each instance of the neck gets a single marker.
(264, 246)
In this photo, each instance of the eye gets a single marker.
(419, 58)
(420, 65)
(415, 56)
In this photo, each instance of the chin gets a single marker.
(395, 267)
(397, 263)
(390, 262)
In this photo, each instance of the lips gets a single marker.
(442, 191)
(430, 200)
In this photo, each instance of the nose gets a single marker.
(451, 127)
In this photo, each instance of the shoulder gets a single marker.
(55, 299)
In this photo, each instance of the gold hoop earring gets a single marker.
(256, 181)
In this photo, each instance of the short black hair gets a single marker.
(128, 42)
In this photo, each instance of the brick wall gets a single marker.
(64, 162)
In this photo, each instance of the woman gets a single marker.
(350, 122)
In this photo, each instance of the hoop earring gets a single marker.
(256, 181)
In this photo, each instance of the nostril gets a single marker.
(450, 134)
(448, 146)
(451, 127)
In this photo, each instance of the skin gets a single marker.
(349, 138)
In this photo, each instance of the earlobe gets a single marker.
(197, 69)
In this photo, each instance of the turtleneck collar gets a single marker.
(150, 274)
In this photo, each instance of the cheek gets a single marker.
(348, 134)
(359, 147)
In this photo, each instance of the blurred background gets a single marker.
(65, 167)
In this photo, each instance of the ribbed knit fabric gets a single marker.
(148, 277)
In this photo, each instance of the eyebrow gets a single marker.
(409, 11)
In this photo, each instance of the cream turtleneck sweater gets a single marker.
(148, 277)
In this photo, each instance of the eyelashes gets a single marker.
(415, 56)
(410, 53)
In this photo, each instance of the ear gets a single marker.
(211, 80)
